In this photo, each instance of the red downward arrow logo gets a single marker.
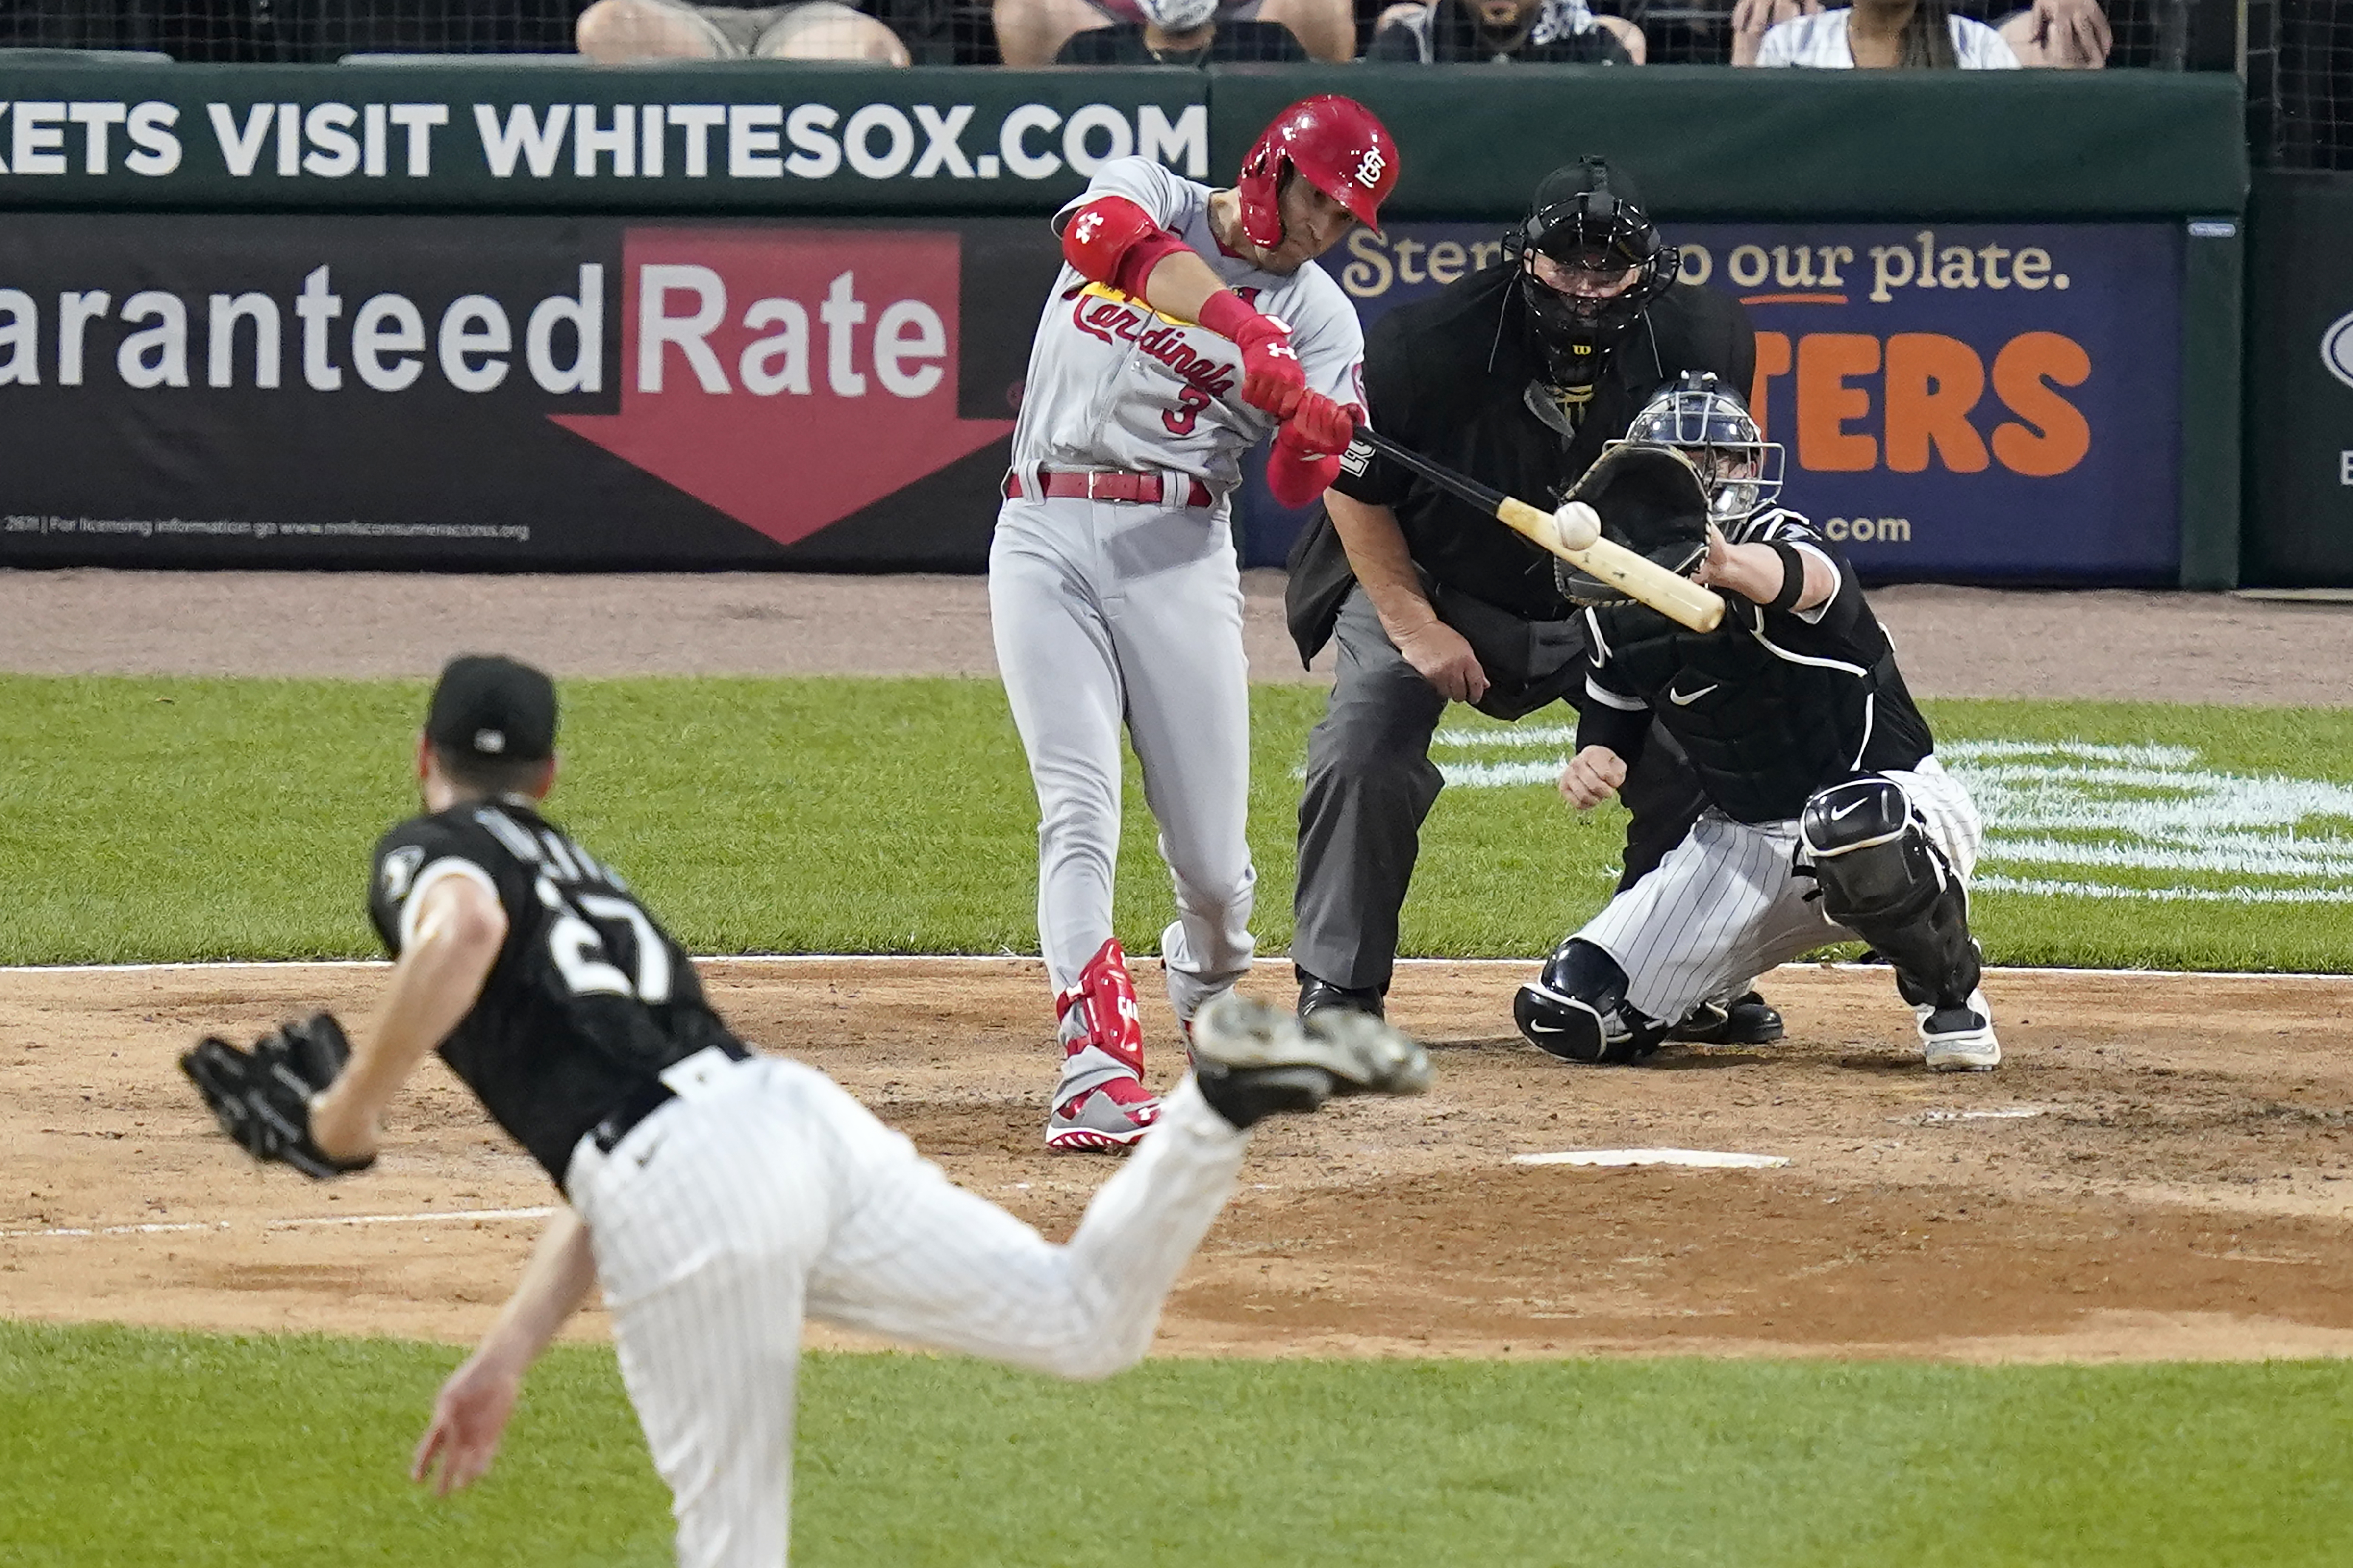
(788, 377)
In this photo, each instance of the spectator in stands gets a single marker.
(1181, 33)
(1550, 32)
(2062, 34)
(1032, 32)
(619, 32)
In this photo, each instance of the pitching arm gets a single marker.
(470, 1413)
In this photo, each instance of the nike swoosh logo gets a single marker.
(1682, 701)
(1848, 810)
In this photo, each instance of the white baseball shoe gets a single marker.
(1959, 1039)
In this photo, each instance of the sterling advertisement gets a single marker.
(1965, 402)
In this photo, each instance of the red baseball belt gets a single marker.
(1110, 484)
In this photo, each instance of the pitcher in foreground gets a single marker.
(718, 1196)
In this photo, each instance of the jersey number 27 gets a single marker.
(583, 952)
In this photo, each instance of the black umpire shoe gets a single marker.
(1749, 1020)
(1321, 995)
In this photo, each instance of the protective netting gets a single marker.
(2145, 33)
(2299, 63)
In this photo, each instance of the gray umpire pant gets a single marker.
(1370, 783)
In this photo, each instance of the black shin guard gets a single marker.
(1577, 1009)
(1882, 880)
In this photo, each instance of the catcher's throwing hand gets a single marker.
(1592, 776)
(469, 1415)
(261, 1097)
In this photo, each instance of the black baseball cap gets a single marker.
(492, 708)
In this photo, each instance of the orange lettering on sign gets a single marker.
(2052, 435)
(1933, 381)
(1826, 402)
(1772, 360)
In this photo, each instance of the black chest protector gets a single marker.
(1765, 725)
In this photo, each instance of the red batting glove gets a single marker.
(1271, 379)
(1319, 428)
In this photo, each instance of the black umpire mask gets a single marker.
(1587, 217)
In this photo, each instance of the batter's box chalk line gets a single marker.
(1705, 1159)
(1992, 1113)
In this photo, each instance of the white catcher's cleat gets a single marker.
(1959, 1039)
(1253, 1060)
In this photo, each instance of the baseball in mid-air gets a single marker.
(1578, 524)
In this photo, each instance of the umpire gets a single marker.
(1516, 375)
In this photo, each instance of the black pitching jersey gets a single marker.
(589, 998)
(1770, 706)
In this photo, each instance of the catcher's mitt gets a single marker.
(262, 1097)
(1652, 501)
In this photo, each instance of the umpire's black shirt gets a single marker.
(1430, 385)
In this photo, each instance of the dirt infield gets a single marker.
(2159, 1171)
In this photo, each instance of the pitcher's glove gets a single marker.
(262, 1097)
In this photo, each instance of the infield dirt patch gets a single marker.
(2180, 1189)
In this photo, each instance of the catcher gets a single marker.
(1827, 817)
(1516, 376)
(718, 1196)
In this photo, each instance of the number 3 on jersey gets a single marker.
(581, 950)
(1190, 401)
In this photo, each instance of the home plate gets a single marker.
(1713, 1159)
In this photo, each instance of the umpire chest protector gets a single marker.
(1766, 723)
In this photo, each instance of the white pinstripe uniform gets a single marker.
(755, 1194)
(1726, 904)
(727, 1218)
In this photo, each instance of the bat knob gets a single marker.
(1578, 525)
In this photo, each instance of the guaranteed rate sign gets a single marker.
(1976, 401)
(513, 393)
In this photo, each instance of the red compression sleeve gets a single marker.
(1295, 479)
(1230, 316)
(1112, 241)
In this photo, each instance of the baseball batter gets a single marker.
(1113, 585)
(1829, 816)
(720, 1197)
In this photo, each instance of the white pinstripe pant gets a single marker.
(1725, 906)
(721, 1221)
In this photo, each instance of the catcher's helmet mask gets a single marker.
(1652, 500)
(1710, 426)
(1587, 216)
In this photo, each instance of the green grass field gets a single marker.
(218, 1452)
(161, 819)
(185, 819)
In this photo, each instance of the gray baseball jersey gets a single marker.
(1114, 385)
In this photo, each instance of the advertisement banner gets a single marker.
(2300, 383)
(752, 139)
(1982, 401)
(508, 393)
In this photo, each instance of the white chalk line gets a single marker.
(228, 965)
(1700, 1159)
(444, 1216)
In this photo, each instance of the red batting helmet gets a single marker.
(1336, 145)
